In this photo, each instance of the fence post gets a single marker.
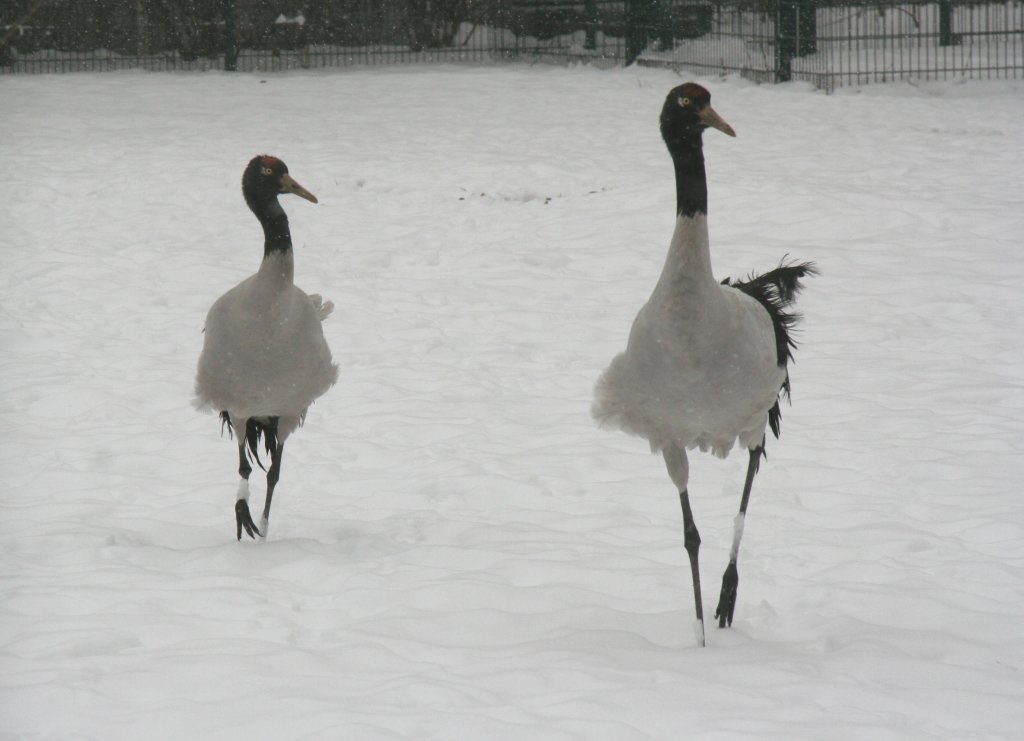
(141, 42)
(633, 45)
(638, 27)
(230, 45)
(796, 34)
(590, 19)
(785, 39)
(945, 23)
(807, 23)
(663, 23)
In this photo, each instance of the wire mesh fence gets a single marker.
(933, 41)
(821, 41)
(851, 44)
(95, 35)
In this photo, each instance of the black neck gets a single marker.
(691, 179)
(277, 237)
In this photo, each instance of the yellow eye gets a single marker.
(267, 171)
(684, 101)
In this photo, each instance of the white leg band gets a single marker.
(737, 535)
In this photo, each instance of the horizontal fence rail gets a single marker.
(837, 45)
(820, 41)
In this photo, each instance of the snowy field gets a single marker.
(456, 551)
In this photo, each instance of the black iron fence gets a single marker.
(822, 41)
(72, 35)
(854, 43)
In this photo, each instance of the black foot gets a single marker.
(727, 600)
(244, 520)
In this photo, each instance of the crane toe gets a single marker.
(727, 599)
(243, 520)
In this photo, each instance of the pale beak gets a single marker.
(288, 185)
(708, 117)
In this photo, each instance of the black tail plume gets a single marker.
(255, 428)
(775, 415)
(225, 422)
(776, 291)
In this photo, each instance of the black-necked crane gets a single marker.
(706, 362)
(264, 358)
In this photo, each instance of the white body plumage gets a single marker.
(264, 352)
(701, 367)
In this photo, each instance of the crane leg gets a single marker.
(243, 520)
(678, 466)
(731, 577)
(691, 541)
(273, 474)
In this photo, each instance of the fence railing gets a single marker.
(820, 41)
(832, 45)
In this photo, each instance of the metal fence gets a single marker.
(820, 41)
(97, 35)
(851, 44)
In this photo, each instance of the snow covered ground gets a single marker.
(455, 550)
